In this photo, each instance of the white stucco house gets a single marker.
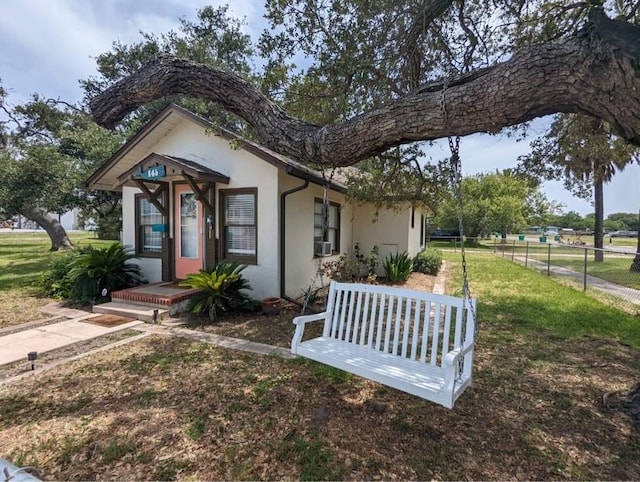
(192, 198)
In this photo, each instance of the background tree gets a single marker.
(51, 150)
(493, 202)
(214, 38)
(571, 220)
(585, 154)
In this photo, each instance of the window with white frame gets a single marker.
(148, 239)
(239, 224)
(329, 232)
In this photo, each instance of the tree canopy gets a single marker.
(494, 202)
(49, 151)
(584, 153)
(475, 75)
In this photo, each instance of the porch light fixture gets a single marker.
(31, 356)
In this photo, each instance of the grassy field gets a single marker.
(551, 369)
(614, 268)
(23, 257)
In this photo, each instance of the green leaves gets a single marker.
(491, 202)
(398, 267)
(219, 288)
(103, 268)
(428, 261)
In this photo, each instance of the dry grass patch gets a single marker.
(166, 408)
(19, 306)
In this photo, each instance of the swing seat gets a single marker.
(417, 342)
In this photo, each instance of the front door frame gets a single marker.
(205, 194)
(184, 265)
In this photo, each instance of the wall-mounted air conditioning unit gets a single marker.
(322, 248)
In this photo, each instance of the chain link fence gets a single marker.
(606, 270)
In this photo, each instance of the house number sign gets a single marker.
(152, 173)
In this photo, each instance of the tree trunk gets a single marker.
(598, 232)
(568, 75)
(57, 234)
(635, 266)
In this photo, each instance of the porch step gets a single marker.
(137, 311)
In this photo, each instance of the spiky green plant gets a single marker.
(220, 289)
(98, 269)
(398, 267)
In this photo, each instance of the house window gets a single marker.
(422, 239)
(148, 241)
(239, 224)
(332, 231)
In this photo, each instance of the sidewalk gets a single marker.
(16, 346)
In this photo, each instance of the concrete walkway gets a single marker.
(16, 346)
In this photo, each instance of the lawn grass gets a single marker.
(614, 268)
(23, 258)
(532, 303)
(166, 408)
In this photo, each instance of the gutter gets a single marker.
(283, 204)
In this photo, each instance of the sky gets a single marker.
(47, 46)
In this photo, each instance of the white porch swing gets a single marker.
(417, 342)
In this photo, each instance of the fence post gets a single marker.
(494, 245)
(584, 284)
(526, 256)
(549, 259)
(513, 251)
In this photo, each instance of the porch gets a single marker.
(151, 303)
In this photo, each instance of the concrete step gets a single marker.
(125, 301)
(136, 311)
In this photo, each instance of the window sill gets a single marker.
(148, 255)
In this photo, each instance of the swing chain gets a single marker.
(325, 227)
(456, 183)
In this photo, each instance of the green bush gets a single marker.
(351, 269)
(219, 288)
(98, 269)
(55, 281)
(398, 267)
(428, 261)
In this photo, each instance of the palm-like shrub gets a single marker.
(398, 267)
(99, 269)
(219, 287)
(428, 261)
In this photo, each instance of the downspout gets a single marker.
(283, 232)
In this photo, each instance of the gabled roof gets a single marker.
(128, 156)
(182, 166)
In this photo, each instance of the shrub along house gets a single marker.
(194, 194)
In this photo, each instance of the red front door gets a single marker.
(188, 228)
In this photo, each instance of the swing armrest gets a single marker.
(453, 356)
(300, 322)
(303, 320)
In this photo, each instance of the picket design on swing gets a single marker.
(415, 341)
(418, 342)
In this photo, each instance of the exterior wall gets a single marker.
(151, 267)
(301, 266)
(390, 231)
(190, 141)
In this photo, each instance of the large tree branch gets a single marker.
(595, 73)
